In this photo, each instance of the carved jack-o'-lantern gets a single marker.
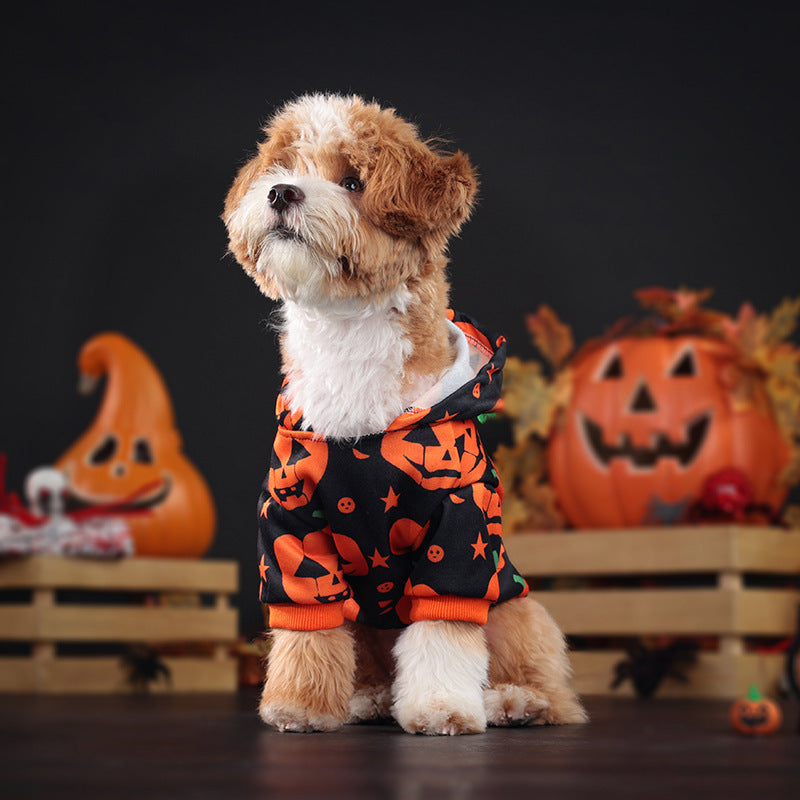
(131, 456)
(649, 420)
(295, 470)
(443, 456)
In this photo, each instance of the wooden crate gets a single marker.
(119, 604)
(606, 585)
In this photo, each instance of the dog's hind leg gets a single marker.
(529, 670)
(309, 680)
(441, 671)
(372, 698)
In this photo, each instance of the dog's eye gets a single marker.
(351, 183)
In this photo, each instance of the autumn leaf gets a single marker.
(672, 304)
(515, 463)
(783, 321)
(752, 335)
(543, 511)
(786, 408)
(784, 366)
(551, 336)
(731, 329)
(529, 501)
(529, 399)
(656, 298)
(515, 515)
(790, 474)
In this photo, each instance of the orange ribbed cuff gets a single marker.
(463, 609)
(306, 618)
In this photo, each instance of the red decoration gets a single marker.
(727, 492)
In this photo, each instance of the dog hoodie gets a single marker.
(399, 526)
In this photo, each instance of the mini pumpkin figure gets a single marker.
(755, 715)
(131, 454)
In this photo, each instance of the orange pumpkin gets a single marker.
(131, 457)
(755, 715)
(649, 420)
(439, 456)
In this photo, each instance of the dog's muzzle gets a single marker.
(282, 195)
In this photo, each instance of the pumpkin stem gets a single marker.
(753, 693)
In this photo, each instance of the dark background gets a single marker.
(620, 146)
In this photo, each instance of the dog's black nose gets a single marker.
(282, 195)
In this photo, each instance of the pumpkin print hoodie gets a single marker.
(397, 527)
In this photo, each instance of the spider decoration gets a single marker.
(145, 667)
(647, 667)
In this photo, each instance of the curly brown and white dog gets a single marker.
(381, 558)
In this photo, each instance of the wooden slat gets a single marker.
(17, 674)
(689, 612)
(18, 622)
(202, 675)
(105, 674)
(84, 623)
(656, 551)
(126, 574)
(715, 675)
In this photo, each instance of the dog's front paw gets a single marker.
(508, 705)
(309, 680)
(441, 669)
(441, 717)
(294, 719)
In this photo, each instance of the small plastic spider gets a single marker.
(647, 667)
(144, 667)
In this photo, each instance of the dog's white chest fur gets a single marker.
(345, 368)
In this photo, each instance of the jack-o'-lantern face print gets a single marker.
(489, 502)
(649, 420)
(295, 470)
(310, 568)
(444, 456)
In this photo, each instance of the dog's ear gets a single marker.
(413, 191)
(236, 241)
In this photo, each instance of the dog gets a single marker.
(381, 561)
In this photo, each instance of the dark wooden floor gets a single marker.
(215, 747)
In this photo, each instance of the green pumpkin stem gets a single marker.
(753, 693)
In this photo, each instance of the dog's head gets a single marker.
(344, 201)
